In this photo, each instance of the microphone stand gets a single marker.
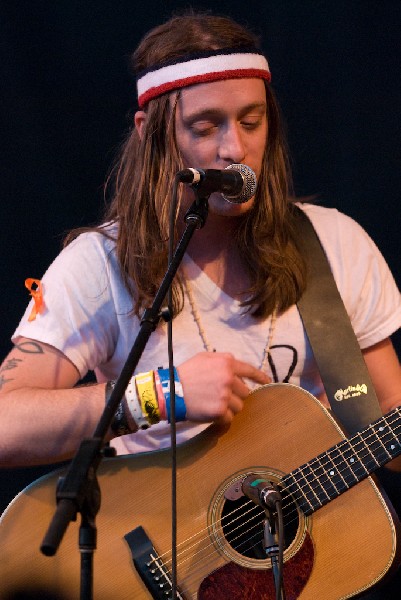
(272, 549)
(79, 491)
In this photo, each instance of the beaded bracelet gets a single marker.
(180, 408)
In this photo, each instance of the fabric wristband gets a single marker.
(160, 397)
(180, 408)
(147, 396)
(134, 405)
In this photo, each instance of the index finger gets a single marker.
(243, 369)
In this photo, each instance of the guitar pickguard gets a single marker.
(235, 582)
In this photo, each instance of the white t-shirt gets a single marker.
(87, 316)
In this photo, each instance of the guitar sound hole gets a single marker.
(242, 523)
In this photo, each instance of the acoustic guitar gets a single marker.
(340, 534)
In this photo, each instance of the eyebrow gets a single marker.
(210, 113)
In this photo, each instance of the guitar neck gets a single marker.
(333, 472)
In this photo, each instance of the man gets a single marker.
(204, 101)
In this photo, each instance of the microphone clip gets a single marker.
(261, 491)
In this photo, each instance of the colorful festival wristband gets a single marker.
(134, 405)
(160, 397)
(145, 385)
(180, 408)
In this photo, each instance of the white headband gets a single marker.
(201, 68)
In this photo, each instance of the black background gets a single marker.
(67, 99)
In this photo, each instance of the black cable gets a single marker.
(280, 592)
(173, 434)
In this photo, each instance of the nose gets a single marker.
(231, 148)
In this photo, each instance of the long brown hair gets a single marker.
(142, 180)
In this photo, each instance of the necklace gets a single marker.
(208, 347)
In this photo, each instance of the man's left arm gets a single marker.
(385, 372)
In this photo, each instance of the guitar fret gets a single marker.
(332, 477)
(327, 482)
(338, 469)
(383, 433)
(367, 457)
(314, 492)
(352, 460)
(295, 489)
(353, 453)
(391, 441)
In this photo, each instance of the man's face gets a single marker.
(221, 123)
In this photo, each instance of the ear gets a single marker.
(140, 121)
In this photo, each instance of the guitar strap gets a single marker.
(341, 365)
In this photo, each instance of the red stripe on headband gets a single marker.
(153, 92)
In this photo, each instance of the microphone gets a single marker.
(260, 491)
(237, 183)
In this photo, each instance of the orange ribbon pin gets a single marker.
(36, 290)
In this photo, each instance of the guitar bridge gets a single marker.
(150, 566)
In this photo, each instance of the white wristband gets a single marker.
(134, 405)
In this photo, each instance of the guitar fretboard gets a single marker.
(333, 472)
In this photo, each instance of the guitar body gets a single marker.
(339, 551)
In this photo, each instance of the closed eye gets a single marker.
(251, 123)
(203, 128)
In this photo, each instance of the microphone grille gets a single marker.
(248, 189)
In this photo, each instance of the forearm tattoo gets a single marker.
(9, 364)
(3, 381)
(12, 363)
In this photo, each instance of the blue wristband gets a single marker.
(180, 408)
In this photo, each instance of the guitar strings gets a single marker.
(238, 513)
